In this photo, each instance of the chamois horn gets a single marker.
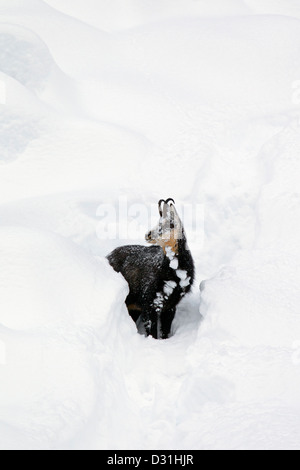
(170, 199)
(159, 207)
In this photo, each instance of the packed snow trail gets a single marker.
(106, 101)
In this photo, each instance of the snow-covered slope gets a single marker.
(103, 102)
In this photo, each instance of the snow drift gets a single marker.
(58, 305)
(190, 100)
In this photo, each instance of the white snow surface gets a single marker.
(195, 100)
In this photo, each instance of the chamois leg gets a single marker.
(146, 319)
(156, 311)
(154, 324)
(166, 320)
(133, 307)
(134, 313)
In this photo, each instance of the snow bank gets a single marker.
(245, 361)
(244, 374)
(24, 56)
(41, 116)
(58, 306)
(192, 100)
(50, 264)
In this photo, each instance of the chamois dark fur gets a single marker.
(158, 276)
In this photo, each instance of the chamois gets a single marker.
(158, 276)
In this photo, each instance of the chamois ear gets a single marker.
(173, 210)
(159, 207)
(175, 219)
(167, 211)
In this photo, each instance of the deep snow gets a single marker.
(102, 100)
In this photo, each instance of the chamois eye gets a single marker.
(172, 225)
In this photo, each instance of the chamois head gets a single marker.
(169, 228)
